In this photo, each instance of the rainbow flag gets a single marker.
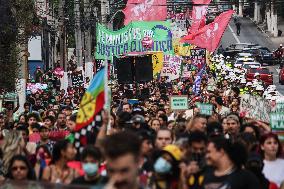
(92, 102)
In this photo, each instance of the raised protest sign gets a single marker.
(129, 39)
(279, 107)
(205, 109)
(277, 121)
(36, 87)
(171, 67)
(179, 102)
(255, 107)
(198, 57)
(157, 60)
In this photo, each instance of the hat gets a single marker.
(280, 45)
(138, 110)
(259, 88)
(233, 117)
(174, 151)
(243, 81)
(268, 97)
(138, 119)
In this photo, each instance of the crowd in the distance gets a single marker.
(142, 142)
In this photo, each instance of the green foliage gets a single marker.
(17, 25)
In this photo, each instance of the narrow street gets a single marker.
(251, 34)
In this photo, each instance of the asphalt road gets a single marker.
(251, 34)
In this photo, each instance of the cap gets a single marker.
(174, 151)
(268, 97)
(259, 88)
(256, 74)
(234, 117)
(138, 119)
(249, 84)
(243, 81)
(138, 110)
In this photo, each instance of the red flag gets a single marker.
(199, 15)
(209, 36)
(145, 10)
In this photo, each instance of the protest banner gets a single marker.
(77, 79)
(205, 108)
(171, 67)
(279, 107)
(36, 87)
(157, 60)
(179, 102)
(198, 57)
(277, 121)
(181, 49)
(129, 39)
(255, 107)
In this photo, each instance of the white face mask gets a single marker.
(162, 166)
(90, 169)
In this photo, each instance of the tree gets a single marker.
(18, 22)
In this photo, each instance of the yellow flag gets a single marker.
(158, 60)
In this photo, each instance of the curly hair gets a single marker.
(11, 147)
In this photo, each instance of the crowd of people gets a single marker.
(142, 142)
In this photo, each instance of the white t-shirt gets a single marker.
(274, 171)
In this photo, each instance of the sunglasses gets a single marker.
(22, 168)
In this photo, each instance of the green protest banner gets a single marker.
(179, 102)
(279, 107)
(205, 109)
(129, 39)
(277, 121)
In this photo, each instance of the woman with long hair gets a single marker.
(13, 144)
(20, 169)
(270, 150)
(58, 171)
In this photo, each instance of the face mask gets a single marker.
(90, 169)
(162, 166)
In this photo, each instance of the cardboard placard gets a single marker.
(198, 57)
(277, 121)
(279, 107)
(255, 107)
(205, 108)
(179, 102)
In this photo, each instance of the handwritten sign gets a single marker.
(205, 109)
(198, 57)
(179, 102)
(255, 107)
(171, 67)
